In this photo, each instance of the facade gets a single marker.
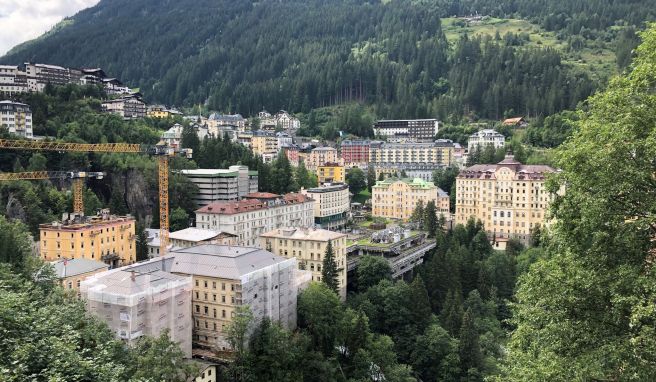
(397, 198)
(222, 184)
(281, 119)
(308, 247)
(484, 138)
(320, 156)
(283, 139)
(439, 152)
(331, 205)
(509, 198)
(190, 237)
(216, 120)
(72, 272)
(128, 107)
(138, 301)
(442, 204)
(518, 122)
(355, 151)
(256, 214)
(173, 136)
(423, 171)
(420, 129)
(160, 111)
(265, 144)
(107, 238)
(16, 117)
(12, 80)
(291, 151)
(331, 173)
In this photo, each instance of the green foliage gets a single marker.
(552, 130)
(159, 359)
(356, 179)
(585, 310)
(329, 270)
(371, 177)
(303, 177)
(430, 219)
(178, 219)
(16, 244)
(318, 313)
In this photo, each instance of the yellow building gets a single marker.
(331, 173)
(107, 238)
(397, 198)
(439, 152)
(308, 246)
(71, 272)
(320, 156)
(265, 145)
(509, 198)
(158, 111)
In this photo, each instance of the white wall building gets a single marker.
(17, 118)
(332, 204)
(484, 138)
(222, 184)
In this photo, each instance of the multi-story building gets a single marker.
(257, 213)
(173, 136)
(320, 156)
(70, 273)
(331, 173)
(160, 111)
(397, 198)
(128, 107)
(331, 204)
(291, 151)
(265, 144)
(420, 129)
(422, 171)
(308, 247)
(222, 184)
(439, 152)
(481, 139)
(216, 120)
(103, 237)
(191, 236)
(16, 117)
(509, 198)
(12, 80)
(142, 300)
(355, 151)
(283, 139)
(281, 120)
(39, 75)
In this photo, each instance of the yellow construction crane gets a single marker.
(76, 176)
(162, 151)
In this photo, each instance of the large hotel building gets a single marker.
(439, 152)
(509, 198)
(419, 129)
(397, 198)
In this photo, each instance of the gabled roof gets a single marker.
(75, 267)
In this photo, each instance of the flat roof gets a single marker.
(311, 234)
(210, 172)
(75, 267)
(196, 234)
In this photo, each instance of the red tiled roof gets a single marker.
(261, 195)
(513, 121)
(246, 205)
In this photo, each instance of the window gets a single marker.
(206, 310)
(214, 284)
(197, 308)
(223, 314)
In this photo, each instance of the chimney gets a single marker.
(133, 276)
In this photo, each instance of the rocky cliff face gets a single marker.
(139, 196)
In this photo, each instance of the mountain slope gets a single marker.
(293, 54)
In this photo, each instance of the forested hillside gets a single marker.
(238, 56)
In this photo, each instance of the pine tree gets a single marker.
(329, 270)
(452, 312)
(419, 304)
(142, 243)
(418, 213)
(430, 219)
(471, 359)
(371, 177)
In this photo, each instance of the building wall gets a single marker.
(398, 199)
(330, 174)
(73, 282)
(412, 153)
(485, 138)
(17, 118)
(331, 205)
(422, 129)
(355, 151)
(89, 241)
(309, 254)
(321, 156)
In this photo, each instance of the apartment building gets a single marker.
(291, 151)
(16, 117)
(173, 136)
(256, 213)
(308, 247)
(104, 237)
(510, 198)
(438, 152)
(12, 80)
(265, 144)
(217, 120)
(71, 273)
(420, 129)
(281, 119)
(222, 184)
(331, 173)
(422, 171)
(283, 140)
(142, 300)
(356, 152)
(331, 205)
(395, 198)
(481, 139)
(128, 107)
(161, 112)
(320, 156)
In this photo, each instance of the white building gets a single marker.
(257, 213)
(484, 138)
(12, 80)
(216, 120)
(173, 136)
(283, 139)
(128, 107)
(222, 184)
(17, 118)
(332, 204)
(287, 121)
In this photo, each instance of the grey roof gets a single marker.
(76, 267)
(441, 193)
(222, 261)
(120, 281)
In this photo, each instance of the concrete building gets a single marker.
(481, 139)
(265, 144)
(12, 80)
(222, 184)
(16, 117)
(438, 152)
(72, 272)
(282, 120)
(104, 237)
(161, 111)
(331, 173)
(190, 237)
(397, 198)
(308, 247)
(420, 129)
(356, 152)
(331, 205)
(128, 107)
(173, 136)
(509, 198)
(320, 156)
(292, 151)
(257, 213)
(137, 301)
(284, 140)
(216, 120)
(423, 171)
